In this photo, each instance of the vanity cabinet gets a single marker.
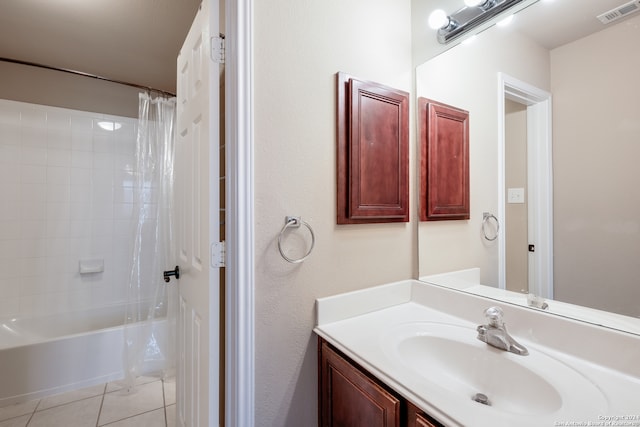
(349, 396)
(417, 418)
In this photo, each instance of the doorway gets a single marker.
(516, 222)
(536, 192)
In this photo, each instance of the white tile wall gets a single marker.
(66, 193)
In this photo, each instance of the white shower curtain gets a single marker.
(149, 350)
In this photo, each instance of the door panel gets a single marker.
(197, 200)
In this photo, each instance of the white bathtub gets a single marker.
(57, 353)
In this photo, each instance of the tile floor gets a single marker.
(150, 404)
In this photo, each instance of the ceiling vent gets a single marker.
(620, 12)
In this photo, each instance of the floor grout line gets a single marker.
(65, 403)
(102, 395)
(126, 418)
(164, 404)
(31, 416)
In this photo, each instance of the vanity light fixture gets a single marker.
(473, 3)
(475, 13)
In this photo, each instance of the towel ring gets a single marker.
(295, 222)
(486, 216)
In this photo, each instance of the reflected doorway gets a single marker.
(516, 226)
(525, 188)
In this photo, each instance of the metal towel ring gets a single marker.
(295, 222)
(486, 216)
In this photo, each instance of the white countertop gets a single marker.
(359, 324)
(469, 281)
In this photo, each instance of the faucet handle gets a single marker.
(494, 314)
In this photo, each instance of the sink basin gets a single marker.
(450, 357)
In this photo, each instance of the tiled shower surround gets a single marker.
(66, 194)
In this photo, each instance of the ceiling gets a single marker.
(136, 41)
(553, 23)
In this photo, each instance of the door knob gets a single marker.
(169, 273)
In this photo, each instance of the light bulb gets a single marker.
(473, 3)
(438, 19)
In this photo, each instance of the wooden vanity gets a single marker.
(350, 396)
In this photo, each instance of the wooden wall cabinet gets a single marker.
(444, 161)
(372, 152)
(350, 396)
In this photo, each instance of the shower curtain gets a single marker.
(149, 350)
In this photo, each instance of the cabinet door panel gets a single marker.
(417, 418)
(372, 152)
(444, 162)
(350, 399)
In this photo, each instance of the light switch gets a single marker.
(515, 195)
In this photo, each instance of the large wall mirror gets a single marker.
(566, 196)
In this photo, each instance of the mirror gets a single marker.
(591, 266)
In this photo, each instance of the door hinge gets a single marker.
(218, 254)
(217, 49)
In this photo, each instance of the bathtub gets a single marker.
(51, 354)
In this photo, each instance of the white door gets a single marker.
(197, 204)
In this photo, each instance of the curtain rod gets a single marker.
(80, 73)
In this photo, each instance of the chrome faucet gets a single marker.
(495, 333)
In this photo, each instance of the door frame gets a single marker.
(539, 177)
(240, 312)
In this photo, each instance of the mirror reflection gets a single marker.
(565, 199)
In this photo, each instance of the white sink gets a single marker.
(574, 373)
(451, 357)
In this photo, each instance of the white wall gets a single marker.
(299, 46)
(596, 106)
(466, 77)
(66, 188)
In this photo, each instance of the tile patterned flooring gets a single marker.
(151, 403)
